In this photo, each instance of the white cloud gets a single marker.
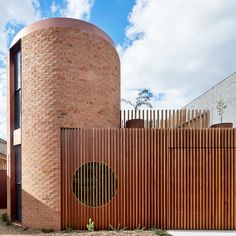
(54, 7)
(79, 9)
(180, 48)
(14, 12)
(3, 103)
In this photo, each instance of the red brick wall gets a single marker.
(3, 164)
(70, 78)
(3, 189)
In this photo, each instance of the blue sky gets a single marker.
(110, 16)
(178, 49)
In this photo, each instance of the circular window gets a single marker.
(94, 184)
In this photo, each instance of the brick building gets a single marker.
(64, 77)
(62, 73)
(208, 100)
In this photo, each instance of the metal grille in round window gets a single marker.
(94, 184)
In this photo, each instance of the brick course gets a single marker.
(70, 78)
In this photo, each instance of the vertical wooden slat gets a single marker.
(232, 204)
(166, 120)
(67, 189)
(154, 119)
(158, 176)
(201, 211)
(136, 173)
(204, 179)
(234, 177)
(180, 118)
(175, 159)
(162, 119)
(214, 176)
(169, 120)
(197, 171)
(158, 120)
(73, 164)
(227, 182)
(154, 177)
(149, 171)
(140, 210)
(174, 119)
(143, 177)
(78, 180)
(184, 177)
(150, 119)
(164, 178)
(168, 178)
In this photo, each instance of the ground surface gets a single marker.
(16, 230)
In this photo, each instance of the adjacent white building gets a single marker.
(226, 90)
(3, 154)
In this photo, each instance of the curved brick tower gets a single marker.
(62, 73)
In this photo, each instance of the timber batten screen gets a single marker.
(196, 119)
(165, 178)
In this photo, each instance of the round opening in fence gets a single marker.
(94, 184)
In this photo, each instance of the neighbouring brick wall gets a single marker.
(3, 164)
(70, 78)
(227, 90)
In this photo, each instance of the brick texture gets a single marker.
(208, 100)
(3, 163)
(70, 78)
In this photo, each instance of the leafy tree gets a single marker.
(221, 108)
(143, 99)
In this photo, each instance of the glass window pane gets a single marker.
(18, 109)
(17, 65)
(18, 164)
(18, 202)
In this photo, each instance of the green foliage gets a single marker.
(160, 232)
(90, 225)
(47, 231)
(69, 229)
(5, 219)
(117, 229)
(139, 228)
(143, 98)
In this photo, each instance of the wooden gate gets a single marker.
(163, 178)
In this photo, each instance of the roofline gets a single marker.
(210, 89)
(62, 22)
(3, 157)
(3, 141)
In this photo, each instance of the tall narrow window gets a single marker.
(17, 78)
(17, 124)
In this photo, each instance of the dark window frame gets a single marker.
(17, 86)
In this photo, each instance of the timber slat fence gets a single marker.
(163, 178)
(168, 118)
